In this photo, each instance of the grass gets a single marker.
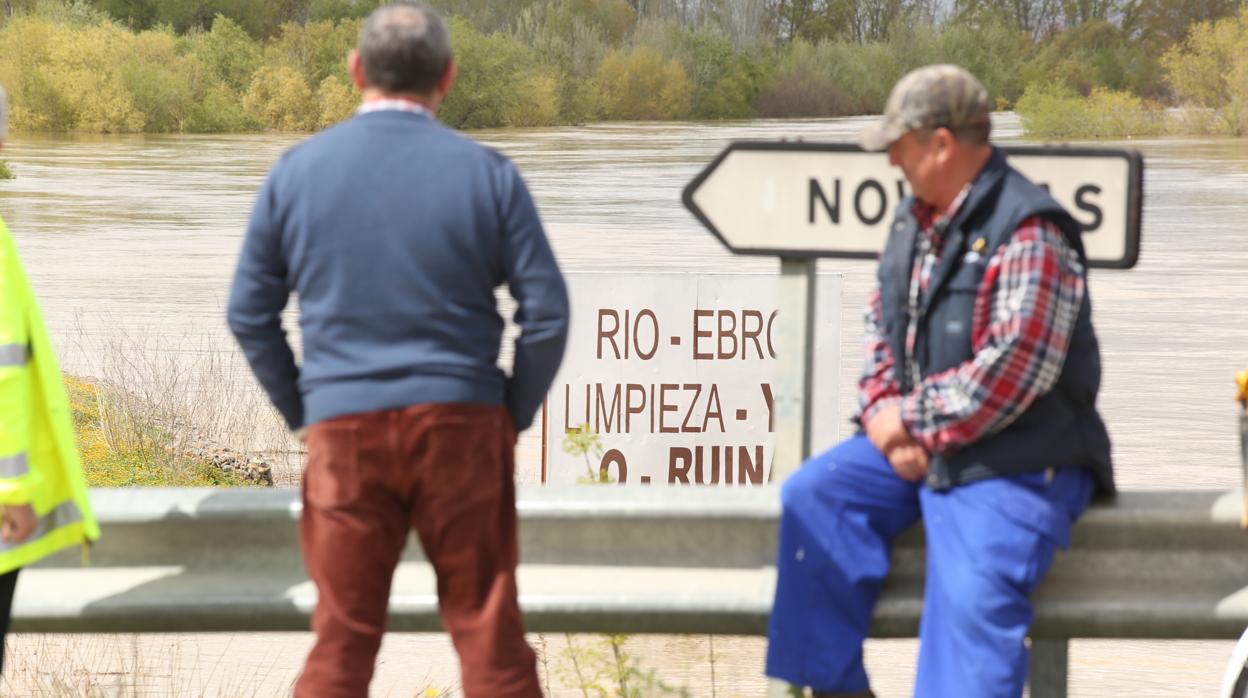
(122, 447)
(6, 172)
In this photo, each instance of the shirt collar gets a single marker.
(390, 104)
(930, 218)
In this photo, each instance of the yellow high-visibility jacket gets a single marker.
(38, 458)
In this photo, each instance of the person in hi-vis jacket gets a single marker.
(43, 494)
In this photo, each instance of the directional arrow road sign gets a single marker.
(834, 200)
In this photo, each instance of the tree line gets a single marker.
(1070, 67)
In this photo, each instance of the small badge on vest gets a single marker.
(976, 255)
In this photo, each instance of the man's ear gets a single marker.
(945, 141)
(355, 67)
(448, 78)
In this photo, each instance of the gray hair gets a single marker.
(4, 113)
(405, 47)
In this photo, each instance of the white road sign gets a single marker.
(675, 375)
(834, 200)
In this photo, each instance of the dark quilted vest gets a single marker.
(1062, 428)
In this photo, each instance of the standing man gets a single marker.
(43, 494)
(977, 413)
(394, 231)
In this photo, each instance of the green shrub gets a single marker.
(228, 53)
(1056, 111)
(1209, 71)
(1095, 54)
(316, 49)
(641, 85)
(219, 110)
(334, 10)
(335, 100)
(725, 81)
(84, 71)
(501, 83)
(158, 82)
(801, 87)
(993, 49)
(279, 99)
(1052, 110)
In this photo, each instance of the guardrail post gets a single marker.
(1050, 660)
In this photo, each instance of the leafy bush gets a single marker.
(279, 99)
(1096, 54)
(1056, 111)
(336, 101)
(501, 83)
(82, 77)
(993, 49)
(157, 79)
(219, 110)
(640, 85)
(228, 53)
(1210, 71)
(801, 87)
(725, 81)
(316, 49)
(1052, 110)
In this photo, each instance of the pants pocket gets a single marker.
(332, 476)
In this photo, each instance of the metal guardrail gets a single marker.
(645, 560)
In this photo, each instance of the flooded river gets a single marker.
(130, 242)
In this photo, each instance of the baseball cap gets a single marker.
(930, 97)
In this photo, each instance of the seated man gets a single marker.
(977, 412)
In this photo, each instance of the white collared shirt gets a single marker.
(406, 105)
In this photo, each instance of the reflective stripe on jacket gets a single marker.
(38, 458)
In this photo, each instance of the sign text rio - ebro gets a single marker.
(669, 379)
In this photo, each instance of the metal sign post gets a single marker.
(793, 385)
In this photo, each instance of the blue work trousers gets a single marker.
(989, 543)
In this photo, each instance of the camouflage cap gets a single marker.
(930, 97)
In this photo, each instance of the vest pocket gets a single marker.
(949, 326)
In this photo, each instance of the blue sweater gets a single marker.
(393, 231)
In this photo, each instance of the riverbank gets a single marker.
(126, 442)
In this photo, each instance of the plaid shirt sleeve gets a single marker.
(1025, 313)
(877, 388)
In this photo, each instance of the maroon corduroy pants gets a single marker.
(447, 471)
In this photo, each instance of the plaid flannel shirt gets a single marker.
(1025, 311)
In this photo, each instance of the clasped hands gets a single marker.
(886, 432)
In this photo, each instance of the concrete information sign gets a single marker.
(834, 200)
(676, 376)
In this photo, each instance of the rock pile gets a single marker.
(194, 443)
(248, 468)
